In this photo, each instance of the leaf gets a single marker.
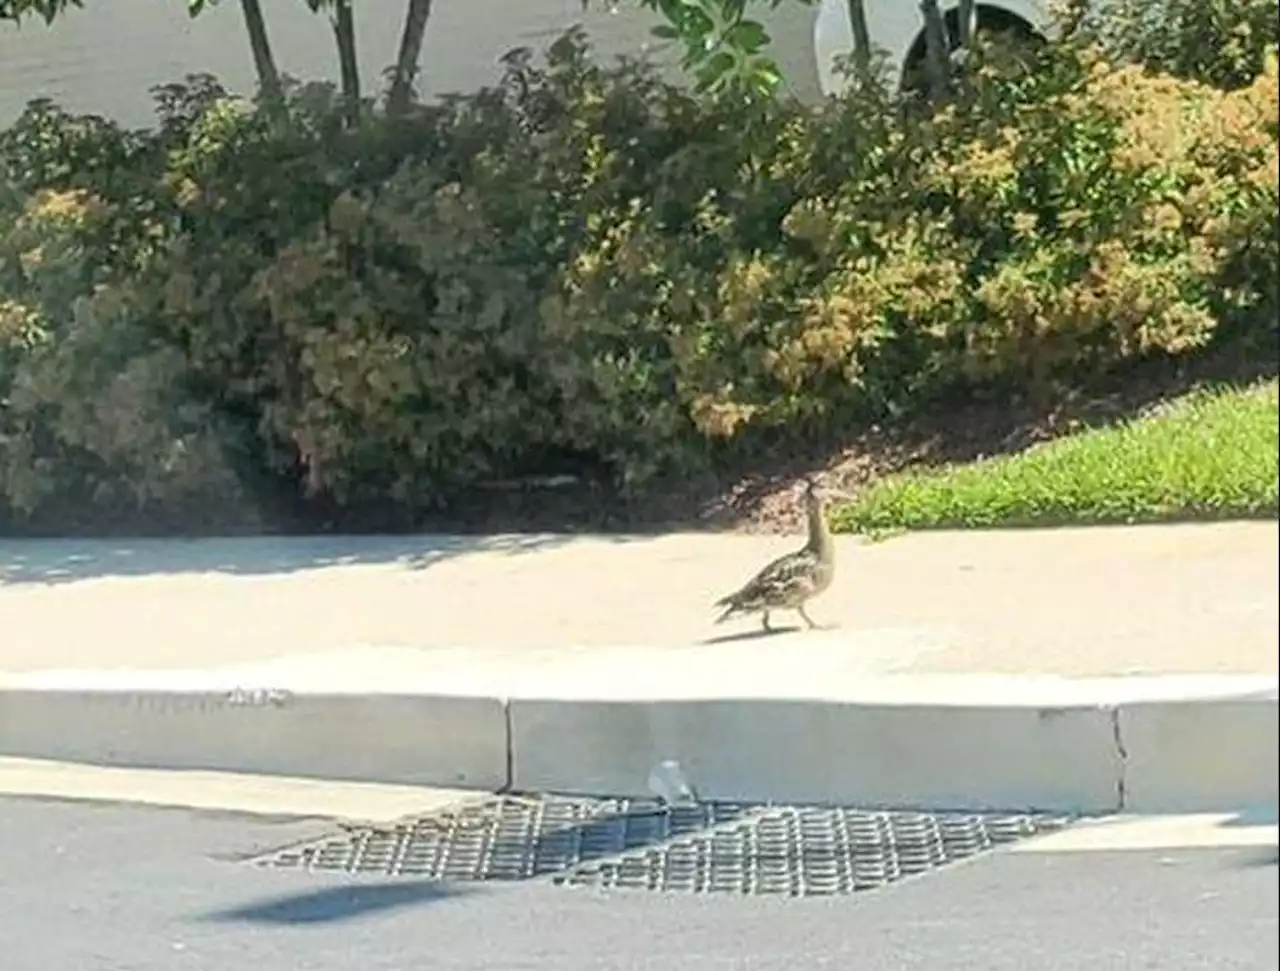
(673, 10)
(696, 25)
(48, 10)
(665, 32)
(767, 76)
(716, 70)
(749, 36)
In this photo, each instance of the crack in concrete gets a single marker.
(509, 731)
(1117, 736)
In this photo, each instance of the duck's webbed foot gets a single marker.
(807, 619)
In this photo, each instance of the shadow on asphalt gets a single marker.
(331, 904)
(1264, 858)
(1252, 817)
(64, 561)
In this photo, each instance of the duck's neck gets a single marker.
(819, 533)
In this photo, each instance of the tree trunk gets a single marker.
(264, 63)
(968, 23)
(406, 69)
(936, 53)
(861, 39)
(344, 32)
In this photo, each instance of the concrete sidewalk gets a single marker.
(1081, 602)
(1082, 670)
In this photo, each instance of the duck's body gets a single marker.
(790, 581)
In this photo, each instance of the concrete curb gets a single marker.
(1149, 744)
(409, 739)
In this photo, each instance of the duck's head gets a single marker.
(814, 493)
(817, 495)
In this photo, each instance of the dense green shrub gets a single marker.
(1222, 43)
(585, 267)
(1107, 207)
(94, 409)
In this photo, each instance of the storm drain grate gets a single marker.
(507, 838)
(809, 851)
(708, 847)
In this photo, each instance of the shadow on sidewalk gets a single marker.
(754, 634)
(63, 561)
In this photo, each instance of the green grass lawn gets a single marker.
(1208, 455)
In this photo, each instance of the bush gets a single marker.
(1223, 43)
(94, 405)
(1112, 213)
(585, 269)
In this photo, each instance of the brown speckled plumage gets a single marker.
(790, 581)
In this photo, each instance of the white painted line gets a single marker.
(225, 791)
(1158, 832)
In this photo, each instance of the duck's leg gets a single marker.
(764, 620)
(807, 619)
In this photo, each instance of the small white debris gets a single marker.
(668, 783)
(257, 697)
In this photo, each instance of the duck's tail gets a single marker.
(731, 605)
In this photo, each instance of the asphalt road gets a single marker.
(107, 887)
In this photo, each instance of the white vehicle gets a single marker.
(106, 57)
(896, 27)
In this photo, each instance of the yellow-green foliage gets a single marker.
(1107, 203)
(93, 407)
(588, 267)
(1224, 43)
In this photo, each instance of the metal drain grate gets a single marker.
(619, 843)
(507, 838)
(809, 851)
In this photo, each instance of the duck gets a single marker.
(790, 581)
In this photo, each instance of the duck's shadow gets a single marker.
(759, 632)
(749, 635)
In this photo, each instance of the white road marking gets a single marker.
(224, 791)
(1189, 831)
